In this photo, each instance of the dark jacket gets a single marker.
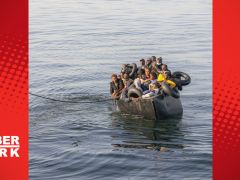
(116, 87)
(159, 66)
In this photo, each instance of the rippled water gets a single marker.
(75, 46)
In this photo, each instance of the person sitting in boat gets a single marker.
(149, 63)
(165, 70)
(142, 64)
(153, 79)
(151, 92)
(116, 86)
(155, 67)
(159, 63)
(154, 58)
(127, 82)
(147, 73)
(153, 87)
(165, 75)
(121, 75)
(140, 80)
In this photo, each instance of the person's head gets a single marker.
(154, 58)
(114, 78)
(119, 76)
(159, 60)
(153, 76)
(154, 63)
(141, 74)
(149, 61)
(147, 71)
(126, 76)
(123, 68)
(142, 62)
(164, 67)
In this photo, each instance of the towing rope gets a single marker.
(67, 101)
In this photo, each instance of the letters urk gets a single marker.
(9, 146)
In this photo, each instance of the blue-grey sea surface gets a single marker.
(75, 46)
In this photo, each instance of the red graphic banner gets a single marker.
(226, 89)
(14, 89)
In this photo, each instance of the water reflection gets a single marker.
(137, 132)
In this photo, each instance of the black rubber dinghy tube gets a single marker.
(169, 91)
(134, 69)
(134, 92)
(184, 78)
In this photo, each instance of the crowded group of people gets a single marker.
(147, 78)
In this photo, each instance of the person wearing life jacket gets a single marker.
(116, 86)
(165, 75)
(165, 70)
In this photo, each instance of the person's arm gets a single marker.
(170, 73)
(111, 88)
(158, 69)
(121, 86)
(167, 74)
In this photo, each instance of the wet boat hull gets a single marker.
(153, 108)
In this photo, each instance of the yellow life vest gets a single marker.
(171, 83)
(161, 78)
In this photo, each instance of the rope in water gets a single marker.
(67, 101)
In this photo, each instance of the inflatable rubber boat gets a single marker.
(165, 104)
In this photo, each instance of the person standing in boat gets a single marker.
(127, 82)
(116, 87)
